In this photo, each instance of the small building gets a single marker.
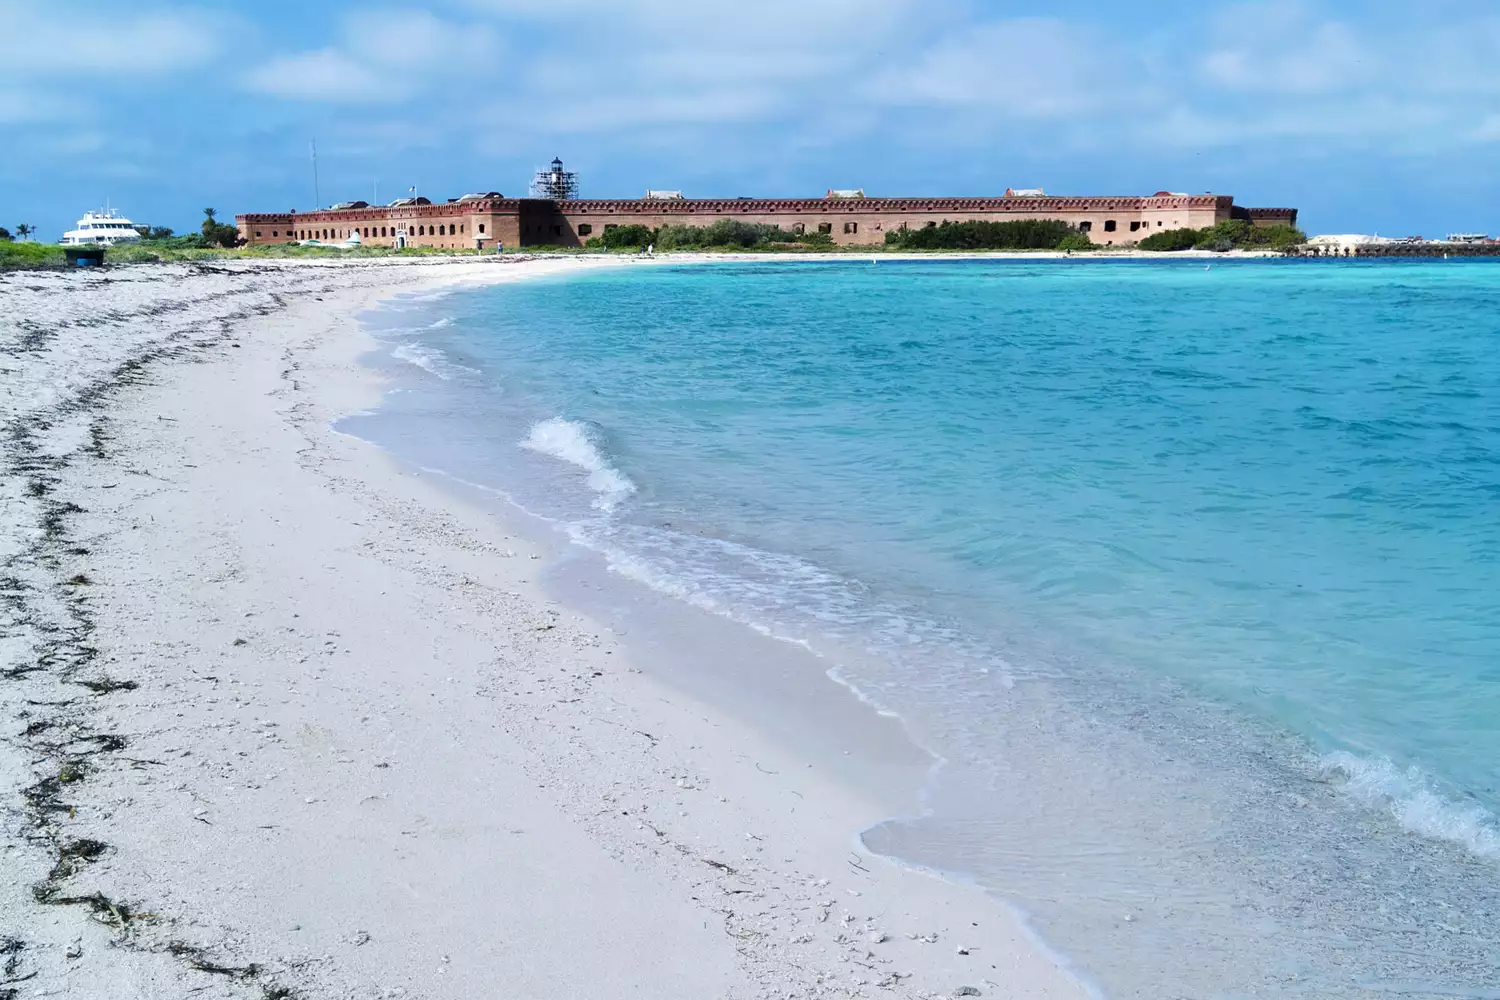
(653, 195)
(845, 193)
(1025, 193)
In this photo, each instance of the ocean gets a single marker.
(1186, 573)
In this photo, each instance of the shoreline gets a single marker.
(339, 732)
(1140, 816)
(522, 255)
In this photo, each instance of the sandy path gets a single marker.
(283, 716)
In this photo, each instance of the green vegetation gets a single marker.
(1231, 234)
(1021, 234)
(29, 254)
(1074, 242)
(154, 232)
(25, 230)
(1171, 240)
(216, 233)
(732, 234)
(723, 234)
(631, 237)
(5, 236)
(191, 248)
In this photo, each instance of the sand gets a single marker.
(283, 717)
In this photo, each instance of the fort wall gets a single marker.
(1108, 221)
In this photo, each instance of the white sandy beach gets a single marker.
(283, 715)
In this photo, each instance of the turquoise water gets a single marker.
(1188, 574)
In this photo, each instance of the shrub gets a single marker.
(5, 235)
(1075, 242)
(30, 254)
(1171, 240)
(1277, 237)
(191, 241)
(734, 234)
(1231, 234)
(1020, 234)
(628, 237)
(1222, 236)
(216, 233)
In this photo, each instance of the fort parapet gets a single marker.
(516, 222)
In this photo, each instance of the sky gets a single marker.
(1367, 115)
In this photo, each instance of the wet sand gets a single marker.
(283, 715)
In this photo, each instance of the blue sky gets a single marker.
(1368, 116)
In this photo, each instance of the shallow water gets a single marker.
(1186, 574)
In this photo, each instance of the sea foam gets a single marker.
(577, 444)
(430, 360)
(1410, 797)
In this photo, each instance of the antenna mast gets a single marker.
(317, 192)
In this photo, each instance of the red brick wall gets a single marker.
(531, 222)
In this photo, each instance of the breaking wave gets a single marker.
(1416, 804)
(578, 444)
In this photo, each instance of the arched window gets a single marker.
(421, 230)
(481, 227)
(460, 227)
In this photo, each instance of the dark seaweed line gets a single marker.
(61, 736)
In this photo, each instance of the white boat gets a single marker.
(101, 229)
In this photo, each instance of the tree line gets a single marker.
(1231, 234)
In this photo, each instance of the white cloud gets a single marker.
(1284, 46)
(324, 75)
(92, 40)
(1021, 68)
(1487, 130)
(20, 107)
(636, 72)
(380, 56)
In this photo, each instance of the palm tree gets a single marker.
(24, 230)
(209, 214)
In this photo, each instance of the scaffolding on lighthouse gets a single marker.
(555, 183)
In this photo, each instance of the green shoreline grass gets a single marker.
(32, 256)
(48, 255)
